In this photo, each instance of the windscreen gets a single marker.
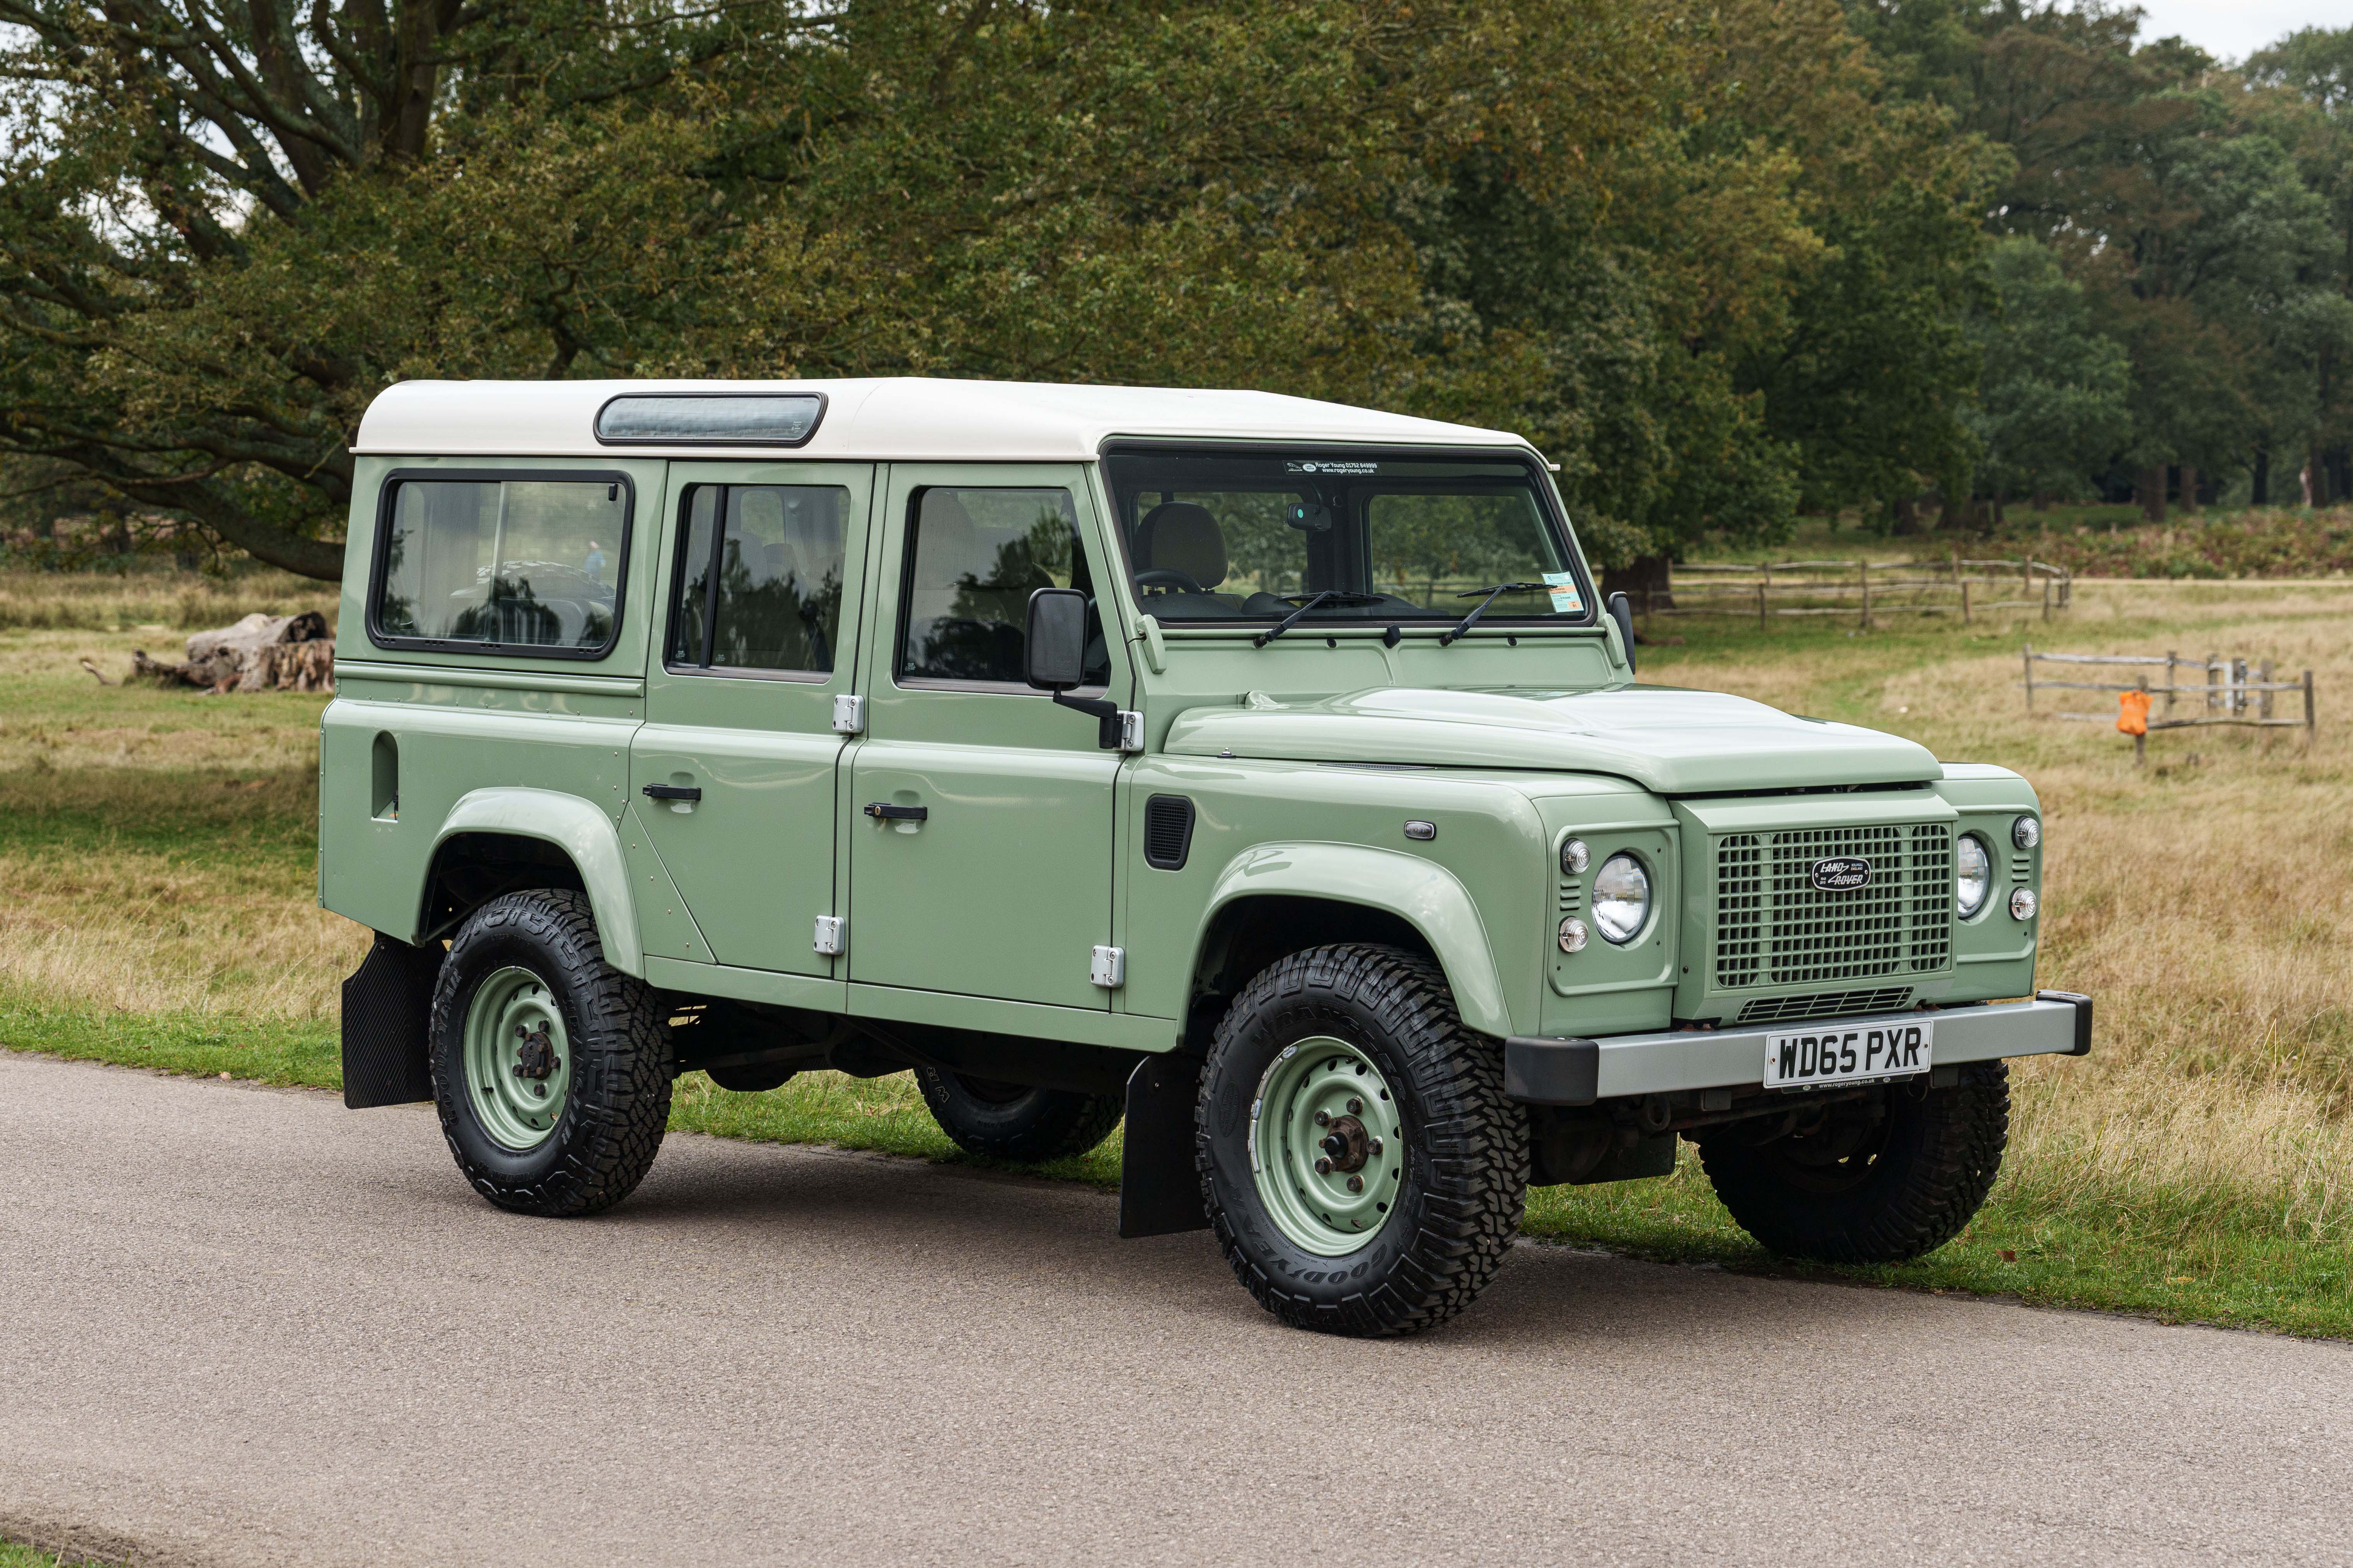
(1228, 536)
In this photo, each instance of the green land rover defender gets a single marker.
(1263, 773)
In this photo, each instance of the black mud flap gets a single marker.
(387, 1059)
(1159, 1188)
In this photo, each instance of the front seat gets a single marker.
(1181, 537)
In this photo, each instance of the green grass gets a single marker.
(162, 842)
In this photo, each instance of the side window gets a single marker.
(759, 578)
(974, 557)
(510, 564)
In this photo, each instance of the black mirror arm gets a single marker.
(1105, 711)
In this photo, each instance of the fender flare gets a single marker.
(581, 831)
(1425, 894)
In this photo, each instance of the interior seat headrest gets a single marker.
(1178, 536)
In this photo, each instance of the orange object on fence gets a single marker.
(2132, 712)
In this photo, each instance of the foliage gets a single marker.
(2260, 542)
(225, 227)
(2054, 386)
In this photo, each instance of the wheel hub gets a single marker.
(518, 1058)
(1326, 1148)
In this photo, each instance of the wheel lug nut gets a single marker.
(1375, 1147)
(1322, 1167)
(1322, 1119)
(1355, 1184)
(1355, 1108)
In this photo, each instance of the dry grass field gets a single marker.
(156, 854)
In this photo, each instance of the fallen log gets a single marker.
(259, 653)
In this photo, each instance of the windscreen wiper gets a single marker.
(1328, 596)
(1466, 623)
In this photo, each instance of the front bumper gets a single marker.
(1580, 1072)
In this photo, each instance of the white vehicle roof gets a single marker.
(902, 419)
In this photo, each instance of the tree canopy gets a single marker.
(1722, 263)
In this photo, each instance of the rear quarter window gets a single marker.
(501, 561)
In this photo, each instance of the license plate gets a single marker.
(1863, 1053)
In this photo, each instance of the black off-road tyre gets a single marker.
(1008, 1121)
(1459, 1199)
(1907, 1189)
(612, 1120)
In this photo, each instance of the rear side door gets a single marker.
(732, 776)
(981, 843)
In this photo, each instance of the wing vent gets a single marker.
(1167, 831)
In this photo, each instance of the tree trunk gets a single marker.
(1644, 574)
(2150, 494)
(2188, 488)
(2304, 479)
(1907, 516)
(2260, 490)
(259, 653)
(2043, 500)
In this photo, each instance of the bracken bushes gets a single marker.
(2254, 544)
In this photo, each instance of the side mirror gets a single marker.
(1622, 610)
(1056, 656)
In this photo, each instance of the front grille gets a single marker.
(1774, 927)
(1823, 1004)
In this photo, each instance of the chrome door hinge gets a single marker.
(1110, 968)
(1131, 730)
(832, 935)
(850, 715)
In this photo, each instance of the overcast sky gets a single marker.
(2234, 29)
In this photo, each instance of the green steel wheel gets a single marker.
(1360, 1163)
(1327, 1147)
(518, 1057)
(551, 1069)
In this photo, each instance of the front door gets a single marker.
(762, 590)
(1002, 886)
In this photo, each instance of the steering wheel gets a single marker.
(1167, 577)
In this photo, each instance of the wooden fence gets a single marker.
(2229, 690)
(1864, 589)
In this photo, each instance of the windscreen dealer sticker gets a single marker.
(1566, 599)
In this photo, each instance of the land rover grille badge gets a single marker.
(1843, 874)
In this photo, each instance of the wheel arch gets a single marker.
(503, 839)
(1276, 899)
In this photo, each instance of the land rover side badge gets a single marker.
(1842, 874)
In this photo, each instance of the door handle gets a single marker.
(883, 811)
(671, 792)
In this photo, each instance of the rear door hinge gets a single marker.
(832, 936)
(848, 715)
(1110, 967)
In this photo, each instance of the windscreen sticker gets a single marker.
(1566, 599)
(1320, 466)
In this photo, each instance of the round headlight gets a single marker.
(2022, 904)
(1572, 935)
(1621, 898)
(2026, 833)
(1972, 875)
(1574, 856)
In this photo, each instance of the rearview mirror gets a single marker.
(1056, 657)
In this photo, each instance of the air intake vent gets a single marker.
(1167, 831)
(1831, 1005)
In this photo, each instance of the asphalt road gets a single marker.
(240, 1325)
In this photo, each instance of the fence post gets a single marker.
(2213, 684)
(2263, 679)
(2029, 678)
(1760, 606)
(2308, 707)
(2046, 597)
(1864, 569)
(1965, 601)
(2238, 688)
